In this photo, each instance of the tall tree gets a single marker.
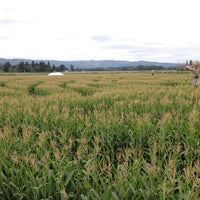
(61, 68)
(21, 67)
(72, 68)
(191, 62)
(6, 67)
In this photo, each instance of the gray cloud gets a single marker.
(134, 48)
(155, 51)
(62, 38)
(120, 46)
(2, 37)
(101, 38)
(9, 10)
(7, 21)
(10, 21)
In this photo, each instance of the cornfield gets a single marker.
(99, 136)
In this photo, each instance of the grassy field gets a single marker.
(99, 136)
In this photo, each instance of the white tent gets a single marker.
(55, 74)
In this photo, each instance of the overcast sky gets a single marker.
(152, 30)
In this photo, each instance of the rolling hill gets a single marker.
(91, 63)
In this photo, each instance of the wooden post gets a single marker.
(196, 94)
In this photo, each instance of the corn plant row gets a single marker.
(99, 136)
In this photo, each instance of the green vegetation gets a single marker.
(34, 90)
(136, 137)
(2, 83)
(31, 67)
(84, 91)
(63, 84)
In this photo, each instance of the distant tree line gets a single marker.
(47, 67)
(127, 68)
(32, 67)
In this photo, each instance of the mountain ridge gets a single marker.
(91, 63)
